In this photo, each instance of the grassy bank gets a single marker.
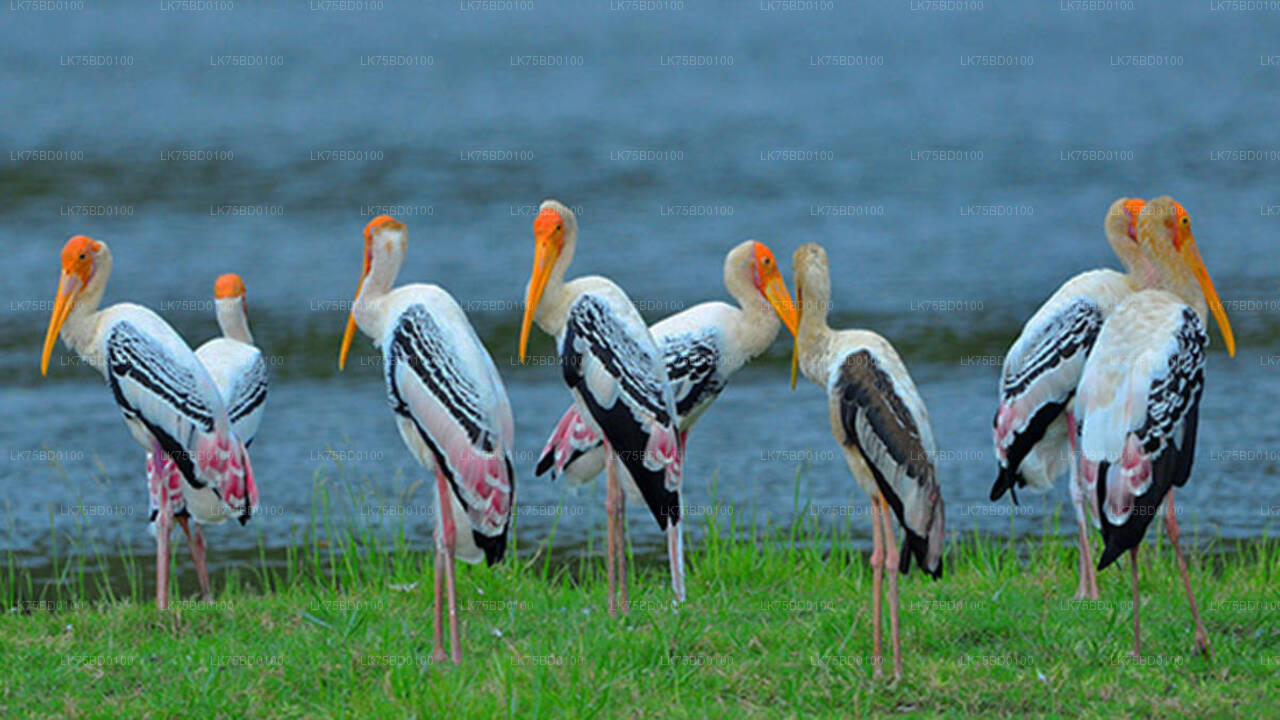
(775, 625)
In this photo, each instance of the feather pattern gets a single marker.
(458, 413)
(1138, 405)
(1039, 377)
(617, 375)
(876, 411)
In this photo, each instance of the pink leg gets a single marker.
(195, 540)
(1088, 584)
(877, 580)
(450, 538)
(1137, 633)
(163, 522)
(620, 527)
(675, 541)
(891, 569)
(675, 554)
(1171, 527)
(611, 515)
(437, 652)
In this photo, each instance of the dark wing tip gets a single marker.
(1006, 480)
(545, 462)
(918, 546)
(494, 547)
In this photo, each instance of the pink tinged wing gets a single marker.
(573, 434)
(1126, 480)
(480, 476)
(222, 458)
(663, 453)
(164, 483)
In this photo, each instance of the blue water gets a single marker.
(956, 164)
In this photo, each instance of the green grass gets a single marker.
(777, 624)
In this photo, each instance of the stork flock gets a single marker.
(1103, 385)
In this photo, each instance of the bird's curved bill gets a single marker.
(544, 258)
(350, 332)
(1191, 255)
(795, 346)
(69, 287)
(775, 291)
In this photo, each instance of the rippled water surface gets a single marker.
(190, 164)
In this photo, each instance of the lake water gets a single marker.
(956, 163)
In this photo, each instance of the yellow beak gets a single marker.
(351, 328)
(1191, 255)
(544, 259)
(795, 347)
(69, 287)
(775, 291)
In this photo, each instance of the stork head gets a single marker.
(750, 267)
(1121, 229)
(81, 260)
(385, 240)
(813, 293)
(554, 231)
(1164, 234)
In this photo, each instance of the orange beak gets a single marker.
(795, 347)
(69, 287)
(350, 332)
(545, 254)
(774, 289)
(1191, 255)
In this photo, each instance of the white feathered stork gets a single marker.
(170, 403)
(703, 347)
(883, 428)
(1034, 429)
(1139, 397)
(238, 370)
(618, 379)
(450, 406)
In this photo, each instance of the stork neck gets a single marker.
(1178, 279)
(758, 325)
(367, 308)
(81, 327)
(233, 320)
(815, 338)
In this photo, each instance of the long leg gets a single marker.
(1088, 584)
(675, 537)
(891, 569)
(611, 515)
(450, 537)
(1171, 527)
(437, 652)
(620, 527)
(1137, 633)
(877, 577)
(675, 553)
(195, 540)
(162, 523)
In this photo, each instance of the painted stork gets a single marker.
(703, 347)
(1034, 428)
(883, 428)
(450, 406)
(1139, 397)
(618, 379)
(170, 403)
(238, 370)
